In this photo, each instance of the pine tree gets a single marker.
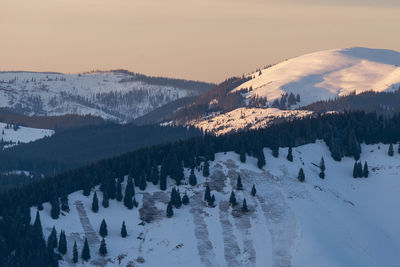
(391, 151)
(64, 203)
(130, 187)
(155, 175)
(242, 156)
(275, 151)
(178, 200)
(355, 174)
(40, 206)
(123, 230)
(290, 155)
(143, 183)
(128, 198)
(322, 164)
(260, 159)
(135, 203)
(239, 185)
(232, 199)
(95, 203)
(170, 211)
(365, 170)
(112, 190)
(52, 240)
(118, 195)
(163, 182)
(206, 169)
(185, 199)
(192, 178)
(75, 253)
(85, 255)
(62, 243)
(322, 175)
(55, 208)
(103, 248)
(301, 175)
(359, 170)
(103, 229)
(105, 201)
(253, 190)
(86, 189)
(37, 226)
(207, 194)
(244, 206)
(212, 201)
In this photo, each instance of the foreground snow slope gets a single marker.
(339, 221)
(327, 74)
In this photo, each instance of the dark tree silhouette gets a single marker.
(253, 190)
(103, 248)
(95, 203)
(123, 230)
(301, 175)
(103, 229)
(85, 255)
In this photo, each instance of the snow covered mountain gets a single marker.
(117, 95)
(295, 83)
(12, 135)
(336, 221)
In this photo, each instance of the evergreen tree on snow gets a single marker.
(64, 203)
(163, 182)
(355, 173)
(37, 226)
(105, 201)
(207, 194)
(192, 178)
(232, 199)
(365, 170)
(359, 170)
(239, 185)
(119, 192)
(253, 190)
(103, 229)
(290, 155)
(103, 248)
(62, 243)
(85, 255)
(301, 175)
(95, 203)
(206, 169)
(260, 159)
(322, 168)
(244, 206)
(170, 211)
(52, 239)
(75, 253)
(143, 183)
(185, 199)
(212, 201)
(55, 208)
(128, 198)
(391, 151)
(135, 203)
(123, 230)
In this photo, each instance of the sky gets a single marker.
(208, 40)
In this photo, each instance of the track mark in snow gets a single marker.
(231, 248)
(149, 212)
(90, 233)
(204, 245)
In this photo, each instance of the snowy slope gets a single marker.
(117, 95)
(246, 118)
(327, 74)
(11, 136)
(339, 221)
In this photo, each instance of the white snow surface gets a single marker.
(60, 94)
(338, 221)
(245, 118)
(22, 134)
(327, 74)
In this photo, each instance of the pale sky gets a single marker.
(207, 40)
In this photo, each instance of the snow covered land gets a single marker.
(336, 221)
(246, 118)
(12, 135)
(326, 74)
(116, 95)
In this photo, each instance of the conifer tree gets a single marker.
(244, 206)
(185, 199)
(359, 170)
(55, 208)
(155, 175)
(232, 199)
(52, 239)
(212, 201)
(207, 194)
(391, 151)
(143, 183)
(37, 226)
(242, 156)
(178, 200)
(290, 155)
(40, 206)
(253, 190)
(112, 189)
(128, 198)
(206, 169)
(64, 203)
(260, 159)
(239, 185)
(95, 203)
(170, 211)
(135, 203)
(105, 201)
(85, 251)
(118, 195)
(301, 175)
(130, 187)
(86, 189)
(62, 243)
(75, 253)
(365, 170)
(275, 151)
(192, 178)
(123, 230)
(103, 248)
(355, 174)
(103, 229)
(322, 164)
(163, 183)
